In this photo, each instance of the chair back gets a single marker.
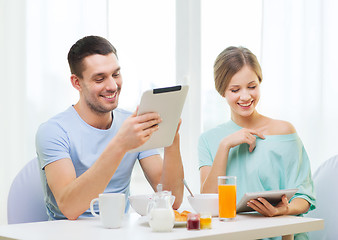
(26, 198)
(326, 186)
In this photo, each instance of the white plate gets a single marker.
(180, 224)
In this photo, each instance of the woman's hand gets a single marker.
(209, 174)
(242, 136)
(262, 206)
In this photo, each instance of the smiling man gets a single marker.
(84, 150)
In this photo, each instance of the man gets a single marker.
(84, 150)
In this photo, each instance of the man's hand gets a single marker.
(136, 130)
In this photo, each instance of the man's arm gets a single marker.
(169, 172)
(73, 195)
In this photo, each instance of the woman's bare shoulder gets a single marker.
(280, 127)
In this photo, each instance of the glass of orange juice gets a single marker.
(227, 197)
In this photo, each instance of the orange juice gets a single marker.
(227, 201)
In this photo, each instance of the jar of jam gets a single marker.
(205, 221)
(193, 221)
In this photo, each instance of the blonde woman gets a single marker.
(264, 153)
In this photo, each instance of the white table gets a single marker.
(135, 227)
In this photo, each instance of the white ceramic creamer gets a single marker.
(160, 212)
(161, 219)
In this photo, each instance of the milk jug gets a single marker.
(160, 213)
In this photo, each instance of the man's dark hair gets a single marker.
(85, 47)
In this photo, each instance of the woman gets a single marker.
(264, 153)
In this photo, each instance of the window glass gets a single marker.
(225, 23)
(143, 33)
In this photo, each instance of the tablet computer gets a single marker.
(273, 197)
(168, 102)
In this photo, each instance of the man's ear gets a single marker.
(75, 82)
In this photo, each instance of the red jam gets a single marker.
(193, 221)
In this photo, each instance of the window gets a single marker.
(143, 33)
(170, 42)
(144, 37)
(225, 23)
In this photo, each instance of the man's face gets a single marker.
(101, 82)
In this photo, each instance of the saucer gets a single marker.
(180, 224)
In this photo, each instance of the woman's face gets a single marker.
(243, 92)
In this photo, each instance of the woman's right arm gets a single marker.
(209, 174)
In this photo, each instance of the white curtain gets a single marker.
(299, 61)
(12, 97)
(35, 37)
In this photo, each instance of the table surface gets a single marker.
(244, 226)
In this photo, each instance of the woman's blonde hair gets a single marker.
(229, 62)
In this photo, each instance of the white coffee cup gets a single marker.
(111, 207)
